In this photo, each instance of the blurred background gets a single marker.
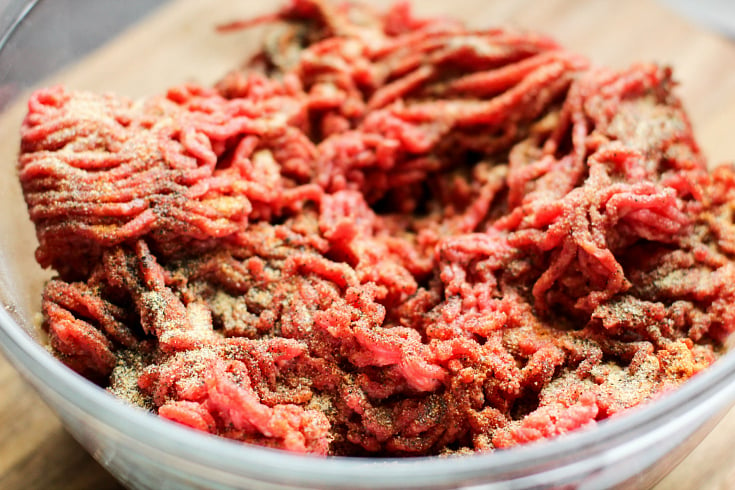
(714, 14)
(718, 15)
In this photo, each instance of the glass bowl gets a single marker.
(143, 451)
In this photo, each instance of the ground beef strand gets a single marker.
(388, 235)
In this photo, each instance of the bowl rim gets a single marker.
(46, 373)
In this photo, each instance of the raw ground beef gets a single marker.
(388, 235)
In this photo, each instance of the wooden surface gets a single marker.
(177, 44)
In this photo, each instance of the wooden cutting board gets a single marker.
(176, 44)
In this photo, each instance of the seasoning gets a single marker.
(389, 235)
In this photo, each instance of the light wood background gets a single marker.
(176, 44)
